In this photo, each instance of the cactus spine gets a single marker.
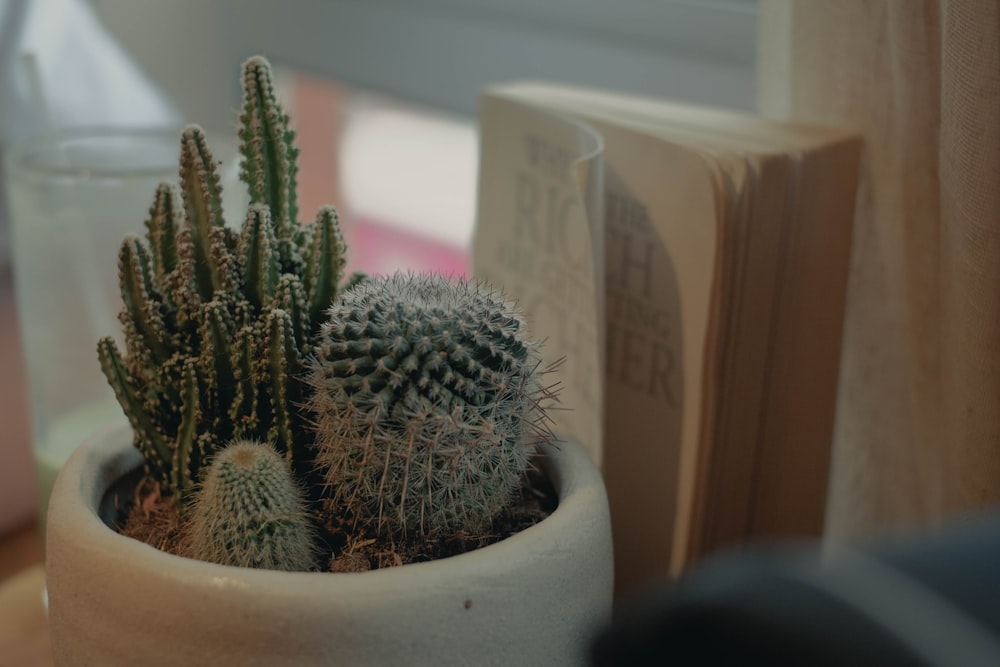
(249, 512)
(428, 403)
(218, 323)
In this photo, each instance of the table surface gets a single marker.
(24, 633)
(24, 630)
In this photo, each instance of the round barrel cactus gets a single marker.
(250, 512)
(428, 403)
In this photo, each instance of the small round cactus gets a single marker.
(427, 403)
(250, 512)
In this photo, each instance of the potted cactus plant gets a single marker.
(295, 433)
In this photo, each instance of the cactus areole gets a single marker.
(275, 402)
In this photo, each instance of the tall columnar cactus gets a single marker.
(250, 512)
(218, 323)
(428, 404)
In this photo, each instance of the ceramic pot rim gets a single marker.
(109, 454)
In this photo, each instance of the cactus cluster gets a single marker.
(413, 402)
(218, 323)
(249, 512)
(428, 404)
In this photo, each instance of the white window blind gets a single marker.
(441, 52)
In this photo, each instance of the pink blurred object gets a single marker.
(379, 248)
(374, 158)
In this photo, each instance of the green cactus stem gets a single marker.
(217, 322)
(428, 404)
(250, 512)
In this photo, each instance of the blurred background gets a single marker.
(371, 84)
(383, 95)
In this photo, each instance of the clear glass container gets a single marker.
(71, 198)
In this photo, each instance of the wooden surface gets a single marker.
(24, 632)
(18, 494)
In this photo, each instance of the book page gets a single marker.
(660, 231)
(539, 239)
(686, 123)
(662, 243)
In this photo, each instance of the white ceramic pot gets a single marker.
(532, 599)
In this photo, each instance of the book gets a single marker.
(690, 265)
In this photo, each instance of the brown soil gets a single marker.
(154, 519)
(535, 500)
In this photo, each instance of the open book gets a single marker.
(691, 265)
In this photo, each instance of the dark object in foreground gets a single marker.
(930, 600)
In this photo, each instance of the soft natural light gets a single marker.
(414, 171)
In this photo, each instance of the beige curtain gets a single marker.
(918, 427)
